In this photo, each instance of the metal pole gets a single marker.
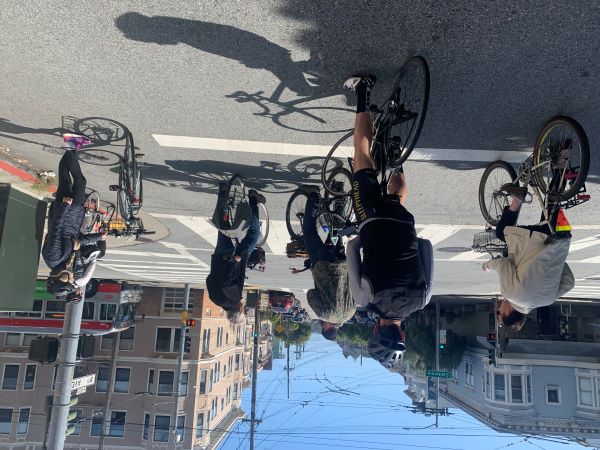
(64, 375)
(254, 372)
(287, 334)
(437, 358)
(109, 388)
(186, 303)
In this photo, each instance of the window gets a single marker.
(237, 361)
(13, 339)
(210, 383)
(516, 388)
(199, 425)
(469, 379)
(54, 309)
(150, 388)
(173, 299)
(11, 375)
(499, 387)
(117, 424)
(122, 380)
(5, 420)
(102, 379)
(108, 311)
(88, 311)
(29, 381)
(165, 383)
(161, 428)
(206, 341)
(125, 342)
(36, 312)
(219, 336)
(23, 424)
(146, 426)
(528, 380)
(235, 391)
(183, 387)
(167, 339)
(226, 338)
(488, 392)
(180, 428)
(54, 377)
(552, 394)
(77, 422)
(203, 382)
(96, 426)
(586, 391)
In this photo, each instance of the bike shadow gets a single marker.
(205, 175)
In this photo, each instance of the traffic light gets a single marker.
(190, 323)
(442, 345)
(491, 338)
(72, 417)
(187, 343)
(491, 356)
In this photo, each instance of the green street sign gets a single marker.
(438, 374)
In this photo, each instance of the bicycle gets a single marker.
(101, 217)
(130, 187)
(555, 171)
(234, 215)
(335, 217)
(397, 125)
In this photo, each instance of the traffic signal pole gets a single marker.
(67, 359)
(437, 357)
(184, 317)
(253, 420)
(109, 388)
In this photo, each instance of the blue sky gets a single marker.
(336, 403)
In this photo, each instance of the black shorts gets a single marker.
(368, 201)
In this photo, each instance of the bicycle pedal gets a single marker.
(113, 187)
(571, 175)
(140, 155)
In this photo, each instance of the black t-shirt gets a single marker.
(391, 255)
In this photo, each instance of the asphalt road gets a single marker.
(264, 71)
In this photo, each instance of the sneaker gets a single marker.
(75, 141)
(310, 188)
(259, 197)
(514, 190)
(353, 82)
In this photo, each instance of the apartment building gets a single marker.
(142, 381)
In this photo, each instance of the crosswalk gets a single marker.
(172, 261)
(587, 287)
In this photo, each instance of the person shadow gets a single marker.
(9, 129)
(250, 49)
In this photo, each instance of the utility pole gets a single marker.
(184, 317)
(287, 334)
(64, 375)
(109, 388)
(437, 357)
(253, 420)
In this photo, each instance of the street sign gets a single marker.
(88, 380)
(442, 336)
(438, 374)
(80, 390)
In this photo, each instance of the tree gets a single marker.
(420, 348)
(295, 333)
(355, 333)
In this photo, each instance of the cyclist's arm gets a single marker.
(507, 271)
(90, 239)
(361, 296)
(87, 275)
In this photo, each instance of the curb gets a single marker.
(24, 176)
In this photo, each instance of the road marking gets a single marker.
(437, 233)
(180, 248)
(282, 148)
(592, 260)
(468, 256)
(278, 237)
(584, 243)
(140, 268)
(149, 254)
(199, 225)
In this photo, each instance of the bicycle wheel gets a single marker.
(338, 157)
(263, 216)
(561, 158)
(132, 167)
(408, 107)
(138, 193)
(92, 217)
(294, 214)
(236, 195)
(491, 200)
(100, 131)
(339, 181)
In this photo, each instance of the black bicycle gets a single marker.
(130, 188)
(397, 125)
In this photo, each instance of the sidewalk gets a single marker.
(22, 179)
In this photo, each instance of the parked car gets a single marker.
(281, 302)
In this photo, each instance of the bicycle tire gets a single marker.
(483, 195)
(124, 205)
(92, 212)
(264, 224)
(415, 130)
(340, 175)
(329, 164)
(140, 194)
(236, 194)
(584, 153)
(292, 210)
(133, 169)
(82, 126)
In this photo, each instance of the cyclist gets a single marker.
(330, 299)
(228, 263)
(534, 273)
(63, 241)
(393, 279)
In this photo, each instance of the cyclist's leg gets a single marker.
(509, 217)
(397, 185)
(224, 245)
(248, 244)
(315, 248)
(65, 184)
(79, 181)
(363, 135)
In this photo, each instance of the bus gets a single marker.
(112, 308)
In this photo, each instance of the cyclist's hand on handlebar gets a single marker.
(237, 258)
(104, 234)
(67, 200)
(484, 268)
(294, 270)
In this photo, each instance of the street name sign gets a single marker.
(438, 374)
(88, 380)
(80, 390)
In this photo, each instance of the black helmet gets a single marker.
(58, 287)
(388, 351)
(257, 258)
